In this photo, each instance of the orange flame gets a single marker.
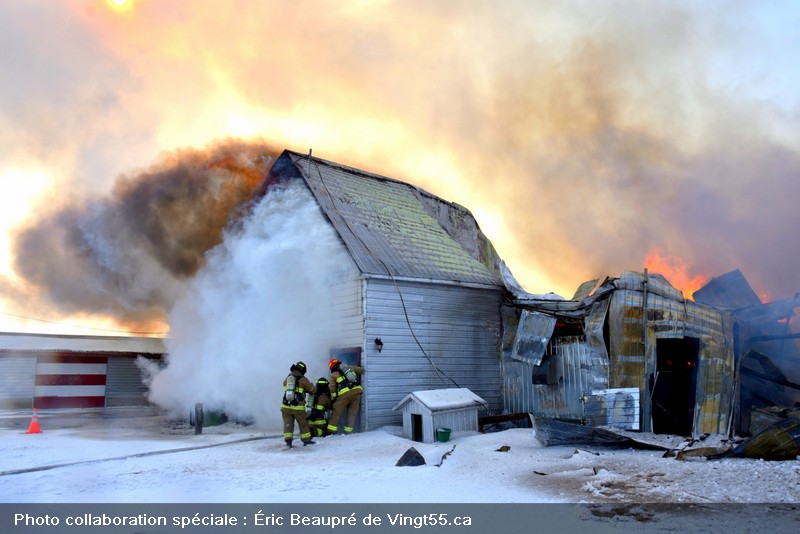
(676, 271)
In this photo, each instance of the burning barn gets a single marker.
(628, 352)
(420, 306)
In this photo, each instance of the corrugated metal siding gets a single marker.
(670, 318)
(575, 366)
(575, 370)
(459, 329)
(716, 377)
(533, 335)
(625, 326)
(17, 380)
(124, 386)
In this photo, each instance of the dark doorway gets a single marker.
(416, 427)
(674, 391)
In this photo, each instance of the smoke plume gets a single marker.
(262, 301)
(584, 136)
(129, 255)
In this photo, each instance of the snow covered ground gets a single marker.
(137, 455)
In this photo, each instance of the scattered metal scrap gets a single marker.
(410, 458)
(779, 441)
(551, 431)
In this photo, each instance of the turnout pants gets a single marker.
(350, 402)
(290, 415)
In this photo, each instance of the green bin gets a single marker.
(443, 434)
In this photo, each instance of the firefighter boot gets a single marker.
(288, 444)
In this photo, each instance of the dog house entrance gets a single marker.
(416, 427)
(674, 391)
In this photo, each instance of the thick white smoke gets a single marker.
(262, 301)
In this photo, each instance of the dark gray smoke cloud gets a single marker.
(129, 254)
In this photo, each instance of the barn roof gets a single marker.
(392, 228)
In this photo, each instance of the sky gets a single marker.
(587, 138)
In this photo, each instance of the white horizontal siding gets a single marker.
(348, 310)
(71, 369)
(457, 327)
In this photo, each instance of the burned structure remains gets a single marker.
(628, 352)
(767, 350)
(633, 353)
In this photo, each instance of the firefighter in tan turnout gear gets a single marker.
(295, 388)
(346, 391)
(320, 410)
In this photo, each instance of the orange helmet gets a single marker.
(333, 364)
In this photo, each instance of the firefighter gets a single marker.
(293, 408)
(320, 409)
(346, 391)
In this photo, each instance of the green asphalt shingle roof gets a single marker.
(385, 224)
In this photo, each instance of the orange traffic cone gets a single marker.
(34, 426)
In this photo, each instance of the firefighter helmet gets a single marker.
(299, 367)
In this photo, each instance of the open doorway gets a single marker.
(416, 427)
(674, 391)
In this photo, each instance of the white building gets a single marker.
(421, 306)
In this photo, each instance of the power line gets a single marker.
(441, 374)
(79, 326)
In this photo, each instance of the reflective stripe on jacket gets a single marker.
(342, 385)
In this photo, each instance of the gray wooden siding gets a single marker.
(459, 329)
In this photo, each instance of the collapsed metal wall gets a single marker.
(568, 368)
(618, 352)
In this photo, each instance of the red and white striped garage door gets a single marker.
(66, 381)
